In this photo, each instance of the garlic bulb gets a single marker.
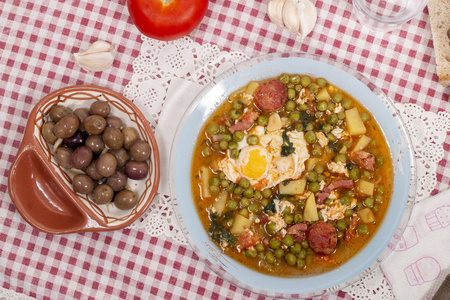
(297, 16)
(98, 57)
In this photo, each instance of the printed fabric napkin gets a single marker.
(421, 260)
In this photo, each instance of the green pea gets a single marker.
(362, 229)
(305, 81)
(299, 127)
(244, 212)
(369, 202)
(342, 225)
(245, 202)
(206, 151)
(298, 218)
(365, 116)
(379, 199)
(214, 190)
(337, 97)
(303, 107)
(322, 106)
(354, 173)
(295, 79)
(295, 116)
(213, 129)
(270, 258)
(262, 120)
(312, 176)
(346, 104)
(314, 186)
(326, 127)
(264, 202)
(310, 137)
(340, 158)
(320, 215)
(319, 114)
(252, 140)
(345, 200)
(257, 195)
(238, 136)
(302, 203)
(232, 205)
(319, 168)
(244, 183)
(234, 154)
(288, 240)
(232, 145)
(314, 88)
(305, 244)
(227, 137)
(279, 253)
(223, 145)
(231, 187)
(341, 115)
(321, 82)
(260, 247)
(332, 119)
(380, 189)
(222, 128)
(380, 160)
(287, 123)
(320, 178)
(238, 190)
(251, 253)
(327, 201)
(373, 143)
(348, 213)
(237, 105)
(285, 78)
(248, 193)
(222, 175)
(302, 254)
(288, 219)
(253, 207)
(290, 259)
(271, 228)
(301, 263)
(296, 248)
(267, 193)
(309, 127)
(214, 181)
(298, 87)
(274, 243)
(235, 114)
(291, 95)
(331, 106)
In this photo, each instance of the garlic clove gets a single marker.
(98, 57)
(291, 15)
(308, 18)
(275, 12)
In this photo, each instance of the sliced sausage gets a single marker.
(271, 95)
(245, 121)
(364, 159)
(322, 237)
(296, 228)
(321, 197)
(247, 240)
(344, 183)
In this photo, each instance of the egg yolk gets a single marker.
(256, 164)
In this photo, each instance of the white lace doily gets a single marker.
(11, 295)
(159, 62)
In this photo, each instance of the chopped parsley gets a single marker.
(287, 148)
(218, 231)
(270, 207)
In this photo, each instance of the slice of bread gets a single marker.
(440, 27)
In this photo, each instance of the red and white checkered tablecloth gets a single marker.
(37, 39)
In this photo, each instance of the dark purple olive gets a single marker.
(136, 169)
(82, 184)
(63, 157)
(75, 140)
(125, 199)
(117, 181)
(106, 164)
(81, 157)
(102, 194)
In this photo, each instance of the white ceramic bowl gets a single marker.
(350, 81)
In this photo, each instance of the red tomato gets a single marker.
(167, 20)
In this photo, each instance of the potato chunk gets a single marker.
(296, 187)
(310, 213)
(240, 225)
(355, 125)
(365, 187)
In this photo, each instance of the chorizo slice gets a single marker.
(322, 237)
(270, 96)
(364, 159)
(245, 121)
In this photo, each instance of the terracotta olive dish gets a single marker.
(42, 190)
